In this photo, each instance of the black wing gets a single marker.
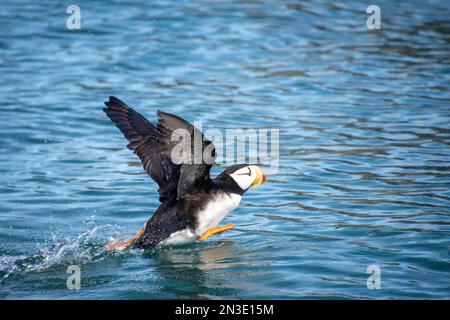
(154, 147)
(194, 152)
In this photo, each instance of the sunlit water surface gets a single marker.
(364, 146)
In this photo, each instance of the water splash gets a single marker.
(85, 248)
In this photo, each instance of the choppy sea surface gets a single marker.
(363, 176)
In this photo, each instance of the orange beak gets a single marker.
(260, 177)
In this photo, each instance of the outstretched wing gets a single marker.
(187, 146)
(154, 147)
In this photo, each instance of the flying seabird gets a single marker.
(192, 203)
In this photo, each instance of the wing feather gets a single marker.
(154, 146)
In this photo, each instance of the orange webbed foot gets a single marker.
(214, 231)
(123, 244)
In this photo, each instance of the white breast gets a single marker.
(215, 211)
(179, 237)
(208, 218)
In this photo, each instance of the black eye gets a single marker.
(246, 174)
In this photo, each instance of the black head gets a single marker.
(243, 176)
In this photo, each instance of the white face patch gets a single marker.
(244, 177)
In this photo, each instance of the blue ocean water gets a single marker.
(364, 146)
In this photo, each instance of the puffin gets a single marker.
(192, 203)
